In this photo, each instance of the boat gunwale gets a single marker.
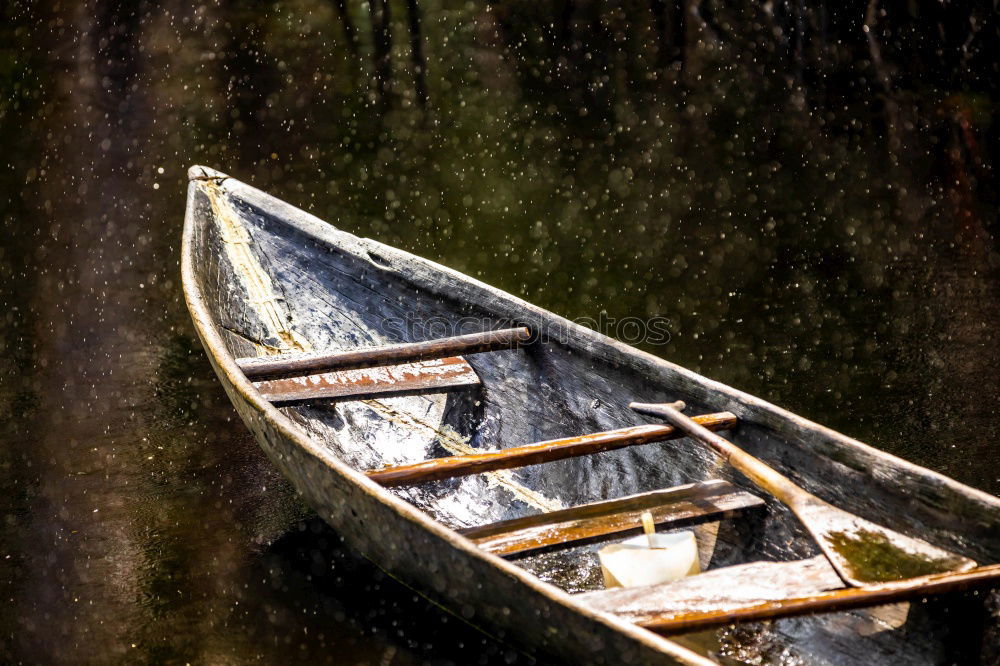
(225, 363)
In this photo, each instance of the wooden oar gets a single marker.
(861, 551)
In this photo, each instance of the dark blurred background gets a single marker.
(805, 189)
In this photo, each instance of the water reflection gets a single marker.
(816, 226)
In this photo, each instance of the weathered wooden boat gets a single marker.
(482, 449)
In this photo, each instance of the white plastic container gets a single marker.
(650, 559)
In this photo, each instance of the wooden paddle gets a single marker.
(861, 551)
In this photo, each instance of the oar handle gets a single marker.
(761, 474)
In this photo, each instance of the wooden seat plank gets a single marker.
(705, 500)
(541, 452)
(721, 589)
(442, 374)
(766, 590)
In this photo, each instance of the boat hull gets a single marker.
(514, 605)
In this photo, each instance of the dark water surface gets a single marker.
(814, 211)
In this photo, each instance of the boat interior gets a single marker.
(528, 446)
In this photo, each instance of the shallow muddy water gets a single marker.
(808, 237)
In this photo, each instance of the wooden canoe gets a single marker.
(488, 481)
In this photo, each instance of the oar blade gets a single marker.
(864, 553)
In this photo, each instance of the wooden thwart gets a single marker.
(442, 374)
(705, 500)
(286, 365)
(533, 454)
(724, 589)
(764, 591)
